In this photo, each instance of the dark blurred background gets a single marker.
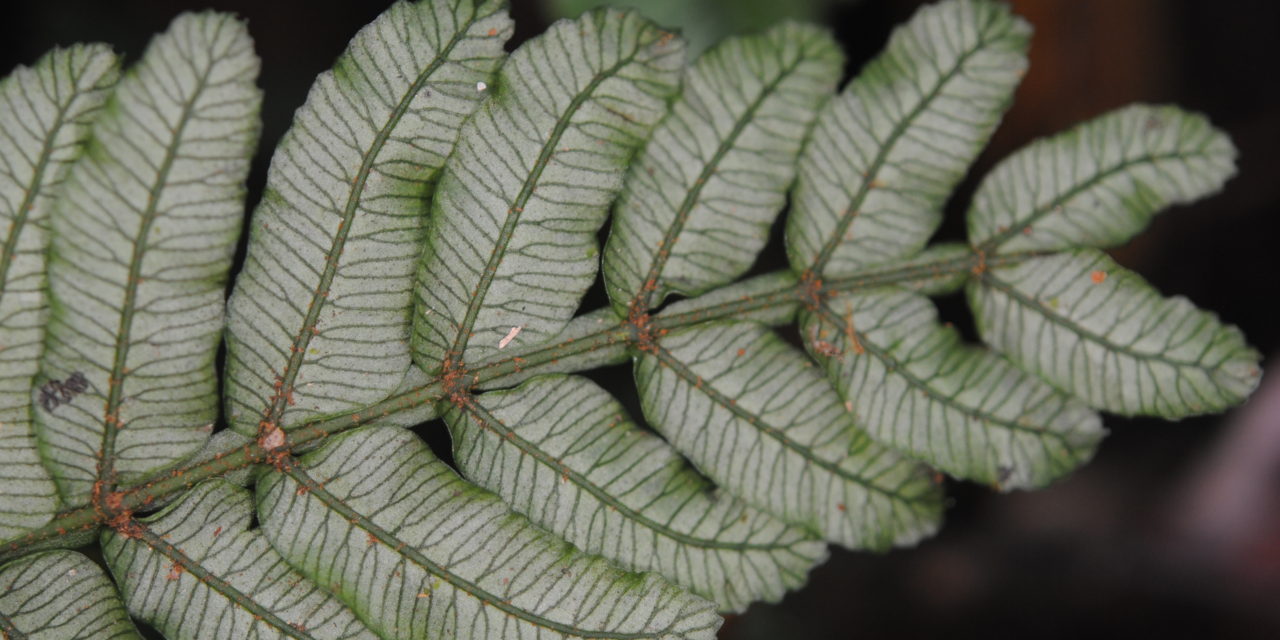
(1174, 529)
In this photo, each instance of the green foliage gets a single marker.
(142, 237)
(47, 113)
(427, 234)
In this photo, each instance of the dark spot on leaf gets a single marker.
(56, 393)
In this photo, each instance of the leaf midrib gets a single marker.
(83, 517)
(692, 379)
(882, 155)
(31, 191)
(643, 299)
(994, 242)
(486, 420)
(514, 212)
(400, 547)
(898, 368)
(298, 350)
(1039, 309)
(106, 476)
(214, 582)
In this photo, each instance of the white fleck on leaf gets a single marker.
(511, 335)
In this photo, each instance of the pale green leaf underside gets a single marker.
(45, 114)
(582, 326)
(771, 299)
(359, 270)
(414, 379)
(1101, 333)
(560, 450)
(218, 445)
(758, 418)
(143, 236)
(1100, 183)
(317, 322)
(512, 241)
(914, 386)
(776, 285)
(59, 595)
(933, 282)
(201, 572)
(420, 553)
(698, 202)
(885, 154)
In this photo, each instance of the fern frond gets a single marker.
(1101, 333)
(46, 115)
(887, 151)
(561, 450)
(512, 243)
(316, 324)
(429, 231)
(419, 552)
(143, 235)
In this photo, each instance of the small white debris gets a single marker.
(72, 572)
(272, 438)
(511, 335)
(480, 86)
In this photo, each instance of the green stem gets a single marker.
(602, 342)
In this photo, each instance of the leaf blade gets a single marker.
(196, 570)
(512, 241)
(1099, 332)
(60, 594)
(48, 110)
(699, 200)
(338, 231)
(143, 239)
(755, 416)
(1100, 183)
(560, 450)
(466, 567)
(915, 387)
(885, 154)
